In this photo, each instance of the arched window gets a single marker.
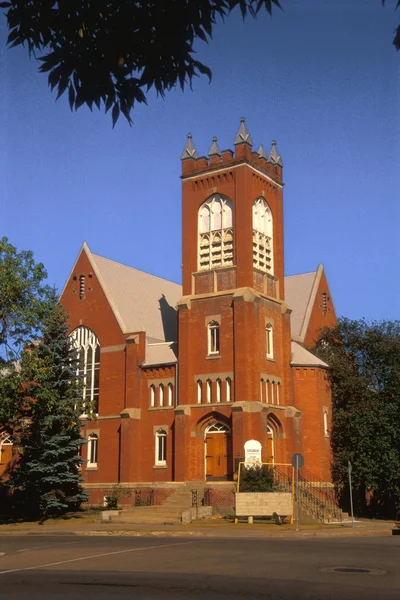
(199, 391)
(262, 236)
(170, 394)
(209, 390)
(215, 225)
(218, 389)
(161, 395)
(6, 446)
(161, 447)
(152, 395)
(326, 429)
(269, 341)
(213, 337)
(218, 428)
(228, 389)
(92, 452)
(87, 347)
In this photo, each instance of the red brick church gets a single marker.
(181, 377)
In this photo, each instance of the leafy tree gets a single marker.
(364, 360)
(47, 481)
(112, 52)
(257, 478)
(24, 299)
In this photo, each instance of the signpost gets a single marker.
(350, 468)
(297, 463)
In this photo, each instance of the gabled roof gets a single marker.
(300, 293)
(140, 301)
(303, 358)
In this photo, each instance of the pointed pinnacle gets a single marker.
(214, 150)
(189, 150)
(243, 136)
(261, 152)
(274, 156)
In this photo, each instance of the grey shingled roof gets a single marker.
(304, 358)
(298, 292)
(141, 302)
(161, 353)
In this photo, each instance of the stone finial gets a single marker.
(261, 152)
(274, 156)
(189, 150)
(243, 136)
(214, 150)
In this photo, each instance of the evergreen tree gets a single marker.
(47, 481)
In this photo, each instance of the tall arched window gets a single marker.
(87, 347)
(213, 337)
(215, 233)
(161, 394)
(170, 394)
(262, 236)
(92, 450)
(161, 447)
(269, 341)
(152, 395)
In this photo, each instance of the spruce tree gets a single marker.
(48, 482)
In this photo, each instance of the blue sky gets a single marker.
(322, 78)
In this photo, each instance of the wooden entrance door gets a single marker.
(218, 452)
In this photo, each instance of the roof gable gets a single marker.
(300, 292)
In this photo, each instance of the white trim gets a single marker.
(93, 442)
(161, 433)
(229, 168)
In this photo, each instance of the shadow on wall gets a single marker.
(169, 317)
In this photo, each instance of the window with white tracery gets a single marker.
(269, 341)
(262, 236)
(87, 347)
(213, 337)
(215, 233)
(161, 447)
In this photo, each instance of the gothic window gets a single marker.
(87, 348)
(152, 395)
(199, 391)
(215, 233)
(92, 452)
(218, 389)
(161, 447)
(262, 236)
(161, 395)
(213, 337)
(170, 394)
(228, 389)
(269, 340)
(209, 390)
(326, 430)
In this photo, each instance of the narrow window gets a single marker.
(170, 394)
(272, 392)
(152, 395)
(86, 345)
(199, 391)
(261, 390)
(326, 431)
(161, 447)
(262, 236)
(267, 391)
(324, 303)
(269, 335)
(161, 395)
(209, 390)
(81, 286)
(277, 393)
(218, 390)
(93, 443)
(213, 337)
(228, 389)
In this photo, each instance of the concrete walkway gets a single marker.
(217, 528)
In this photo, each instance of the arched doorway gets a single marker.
(218, 452)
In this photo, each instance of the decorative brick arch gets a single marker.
(207, 420)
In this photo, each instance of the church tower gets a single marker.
(234, 325)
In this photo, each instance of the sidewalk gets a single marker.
(215, 528)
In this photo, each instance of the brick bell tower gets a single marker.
(234, 325)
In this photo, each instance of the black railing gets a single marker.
(202, 499)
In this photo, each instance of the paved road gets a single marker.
(114, 568)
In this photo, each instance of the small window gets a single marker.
(209, 390)
(170, 394)
(161, 447)
(228, 389)
(213, 338)
(269, 338)
(324, 303)
(82, 284)
(93, 444)
(326, 430)
(278, 400)
(218, 390)
(199, 391)
(161, 395)
(152, 395)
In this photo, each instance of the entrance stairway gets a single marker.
(177, 508)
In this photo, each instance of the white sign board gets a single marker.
(263, 504)
(252, 452)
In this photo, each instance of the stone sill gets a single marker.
(213, 356)
(160, 466)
